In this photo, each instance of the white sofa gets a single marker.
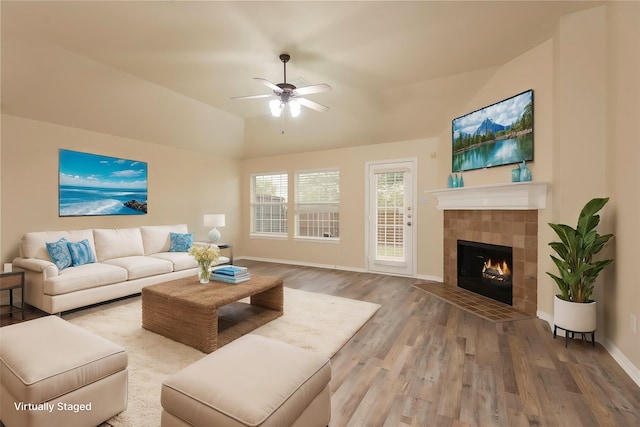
(126, 260)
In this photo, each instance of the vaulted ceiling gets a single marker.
(165, 71)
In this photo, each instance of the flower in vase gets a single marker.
(205, 255)
(208, 254)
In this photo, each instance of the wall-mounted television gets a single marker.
(496, 135)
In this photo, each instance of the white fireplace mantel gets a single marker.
(509, 196)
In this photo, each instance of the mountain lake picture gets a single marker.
(499, 134)
(91, 184)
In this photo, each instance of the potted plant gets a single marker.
(574, 311)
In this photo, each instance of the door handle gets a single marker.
(409, 223)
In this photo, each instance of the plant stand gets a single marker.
(567, 332)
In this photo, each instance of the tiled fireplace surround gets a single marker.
(499, 214)
(515, 228)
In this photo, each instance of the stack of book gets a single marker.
(231, 274)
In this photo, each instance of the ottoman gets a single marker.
(253, 381)
(53, 373)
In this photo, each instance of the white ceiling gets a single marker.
(164, 72)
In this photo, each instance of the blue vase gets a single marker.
(460, 182)
(450, 182)
(515, 175)
(525, 172)
(455, 181)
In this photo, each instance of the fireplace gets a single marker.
(499, 214)
(486, 269)
(517, 229)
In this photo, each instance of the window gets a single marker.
(269, 204)
(317, 204)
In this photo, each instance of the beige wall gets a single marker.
(533, 70)
(595, 153)
(622, 295)
(182, 185)
(580, 123)
(350, 251)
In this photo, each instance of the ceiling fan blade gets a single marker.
(313, 105)
(323, 87)
(268, 84)
(252, 96)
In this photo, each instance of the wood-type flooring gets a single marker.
(420, 361)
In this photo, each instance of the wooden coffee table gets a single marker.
(190, 312)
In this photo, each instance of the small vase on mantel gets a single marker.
(515, 174)
(525, 172)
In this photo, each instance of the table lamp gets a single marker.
(214, 220)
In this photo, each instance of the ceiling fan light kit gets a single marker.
(294, 108)
(276, 107)
(289, 95)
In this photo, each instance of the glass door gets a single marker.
(391, 217)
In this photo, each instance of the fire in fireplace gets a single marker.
(496, 272)
(486, 269)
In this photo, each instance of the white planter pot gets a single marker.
(573, 316)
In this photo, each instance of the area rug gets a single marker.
(317, 322)
(472, 302)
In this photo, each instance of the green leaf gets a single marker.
(577, 272)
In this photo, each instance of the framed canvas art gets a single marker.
(497, 135)
(91, 184)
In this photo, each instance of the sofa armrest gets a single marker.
(47, 268)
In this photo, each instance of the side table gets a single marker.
(227, 246)
(8, 282)
(220, 246)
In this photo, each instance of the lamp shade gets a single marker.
(214, 220)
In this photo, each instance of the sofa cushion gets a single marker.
(142, 266)
(117, 243)
(84, 277)
(59, 253)
(155, 238)
(180, 260)
(180, 242)
(34, 244)
(81, 252)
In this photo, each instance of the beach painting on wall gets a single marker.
(91, 184)
(497, 135)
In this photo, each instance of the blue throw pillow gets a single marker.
(59, 253)
(81, 253)
(180, 242)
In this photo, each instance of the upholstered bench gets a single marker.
(53, 373)
(252, 381)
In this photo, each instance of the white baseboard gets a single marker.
(430, 278)
(622, 360)
(303, 264)
(614, 351)
(546, 317)
(332, 267)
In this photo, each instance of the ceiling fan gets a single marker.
(288, 94)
